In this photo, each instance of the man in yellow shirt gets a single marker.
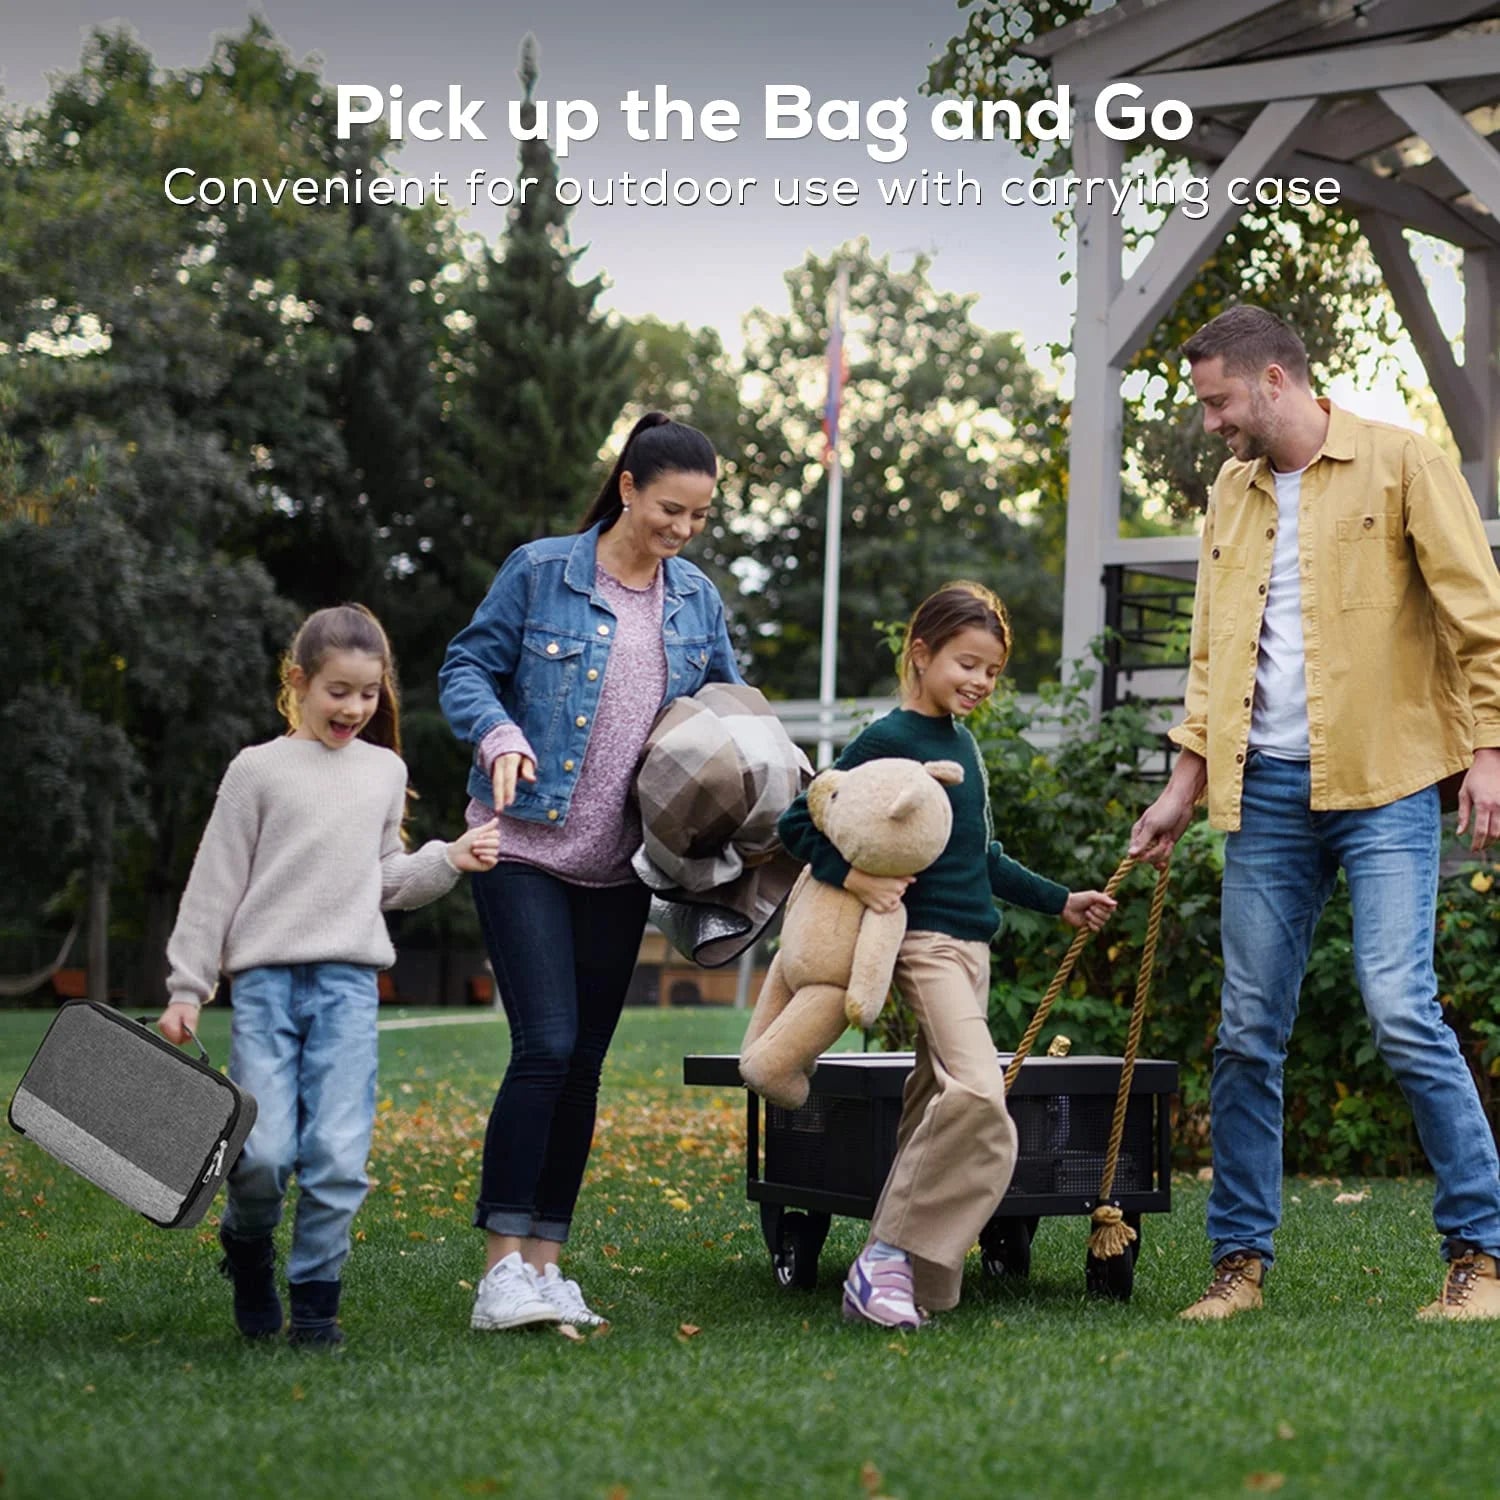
(1345, 659)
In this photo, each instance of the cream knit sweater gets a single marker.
(301, 854)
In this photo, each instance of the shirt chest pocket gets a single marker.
(548, 668)
(1226, 582)
(1374, 561)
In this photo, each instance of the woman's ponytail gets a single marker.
(656, 445)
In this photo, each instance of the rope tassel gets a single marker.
(1111, 1235)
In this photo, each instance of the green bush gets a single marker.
(1067, 813)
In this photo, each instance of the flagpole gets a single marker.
(828, 657)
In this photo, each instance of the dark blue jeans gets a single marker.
(563, 955)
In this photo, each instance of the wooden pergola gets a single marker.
(1393, 98)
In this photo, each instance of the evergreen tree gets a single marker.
(542, 374)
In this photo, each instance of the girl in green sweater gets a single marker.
(956, 1145)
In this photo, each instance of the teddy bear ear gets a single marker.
(948, 772)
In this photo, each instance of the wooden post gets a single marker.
(1095, 430)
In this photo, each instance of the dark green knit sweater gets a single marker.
(955, 894)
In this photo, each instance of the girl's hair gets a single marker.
(656, 445)
(938, 618)
(344, 627)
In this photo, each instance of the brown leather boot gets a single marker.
(1235, 1288)
(1470, 1290)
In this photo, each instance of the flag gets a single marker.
(837, 373)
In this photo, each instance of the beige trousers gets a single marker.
(955, 1144)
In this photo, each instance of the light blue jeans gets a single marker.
(1279, 870)
(303, 1041)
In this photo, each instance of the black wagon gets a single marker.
(832, 1155)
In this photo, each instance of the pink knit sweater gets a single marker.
(593, 844)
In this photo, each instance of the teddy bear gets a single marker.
(833, 969)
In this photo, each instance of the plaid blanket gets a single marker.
(717, 772)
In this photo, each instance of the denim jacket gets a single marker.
(535, 652)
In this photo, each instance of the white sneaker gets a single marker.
(563, 1295)
(507, 1298)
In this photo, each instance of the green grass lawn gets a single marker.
(121, 1375)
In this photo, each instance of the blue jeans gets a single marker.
(563, 955)
(1279, 870)
(303, 1041)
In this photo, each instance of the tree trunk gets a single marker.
(100, 875)
(161, 914)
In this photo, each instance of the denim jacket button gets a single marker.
(604, 630)
(552, 815)
(551, 648)
(567, 765)
(593, 673)
(581, 720)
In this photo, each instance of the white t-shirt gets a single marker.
(1278, 720)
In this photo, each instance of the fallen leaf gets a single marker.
(1205, 1174)
(1285, 1431)
(298, 1394)
(689, 1330)
(95, 1301)
(569, 1332)
(617, 1492)
(870, 1478)
(1264, 1482)
(1358, 1197)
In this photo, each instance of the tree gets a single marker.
(947, 435)
(541, 374)
(131, 636)
(1310, 267)
(686, 373)
(183, 389)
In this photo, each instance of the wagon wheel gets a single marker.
(795, 1241)
(1005, 1246)
(1112, 1277)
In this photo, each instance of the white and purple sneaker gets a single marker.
(880, 1292)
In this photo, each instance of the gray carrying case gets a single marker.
(121, 1106)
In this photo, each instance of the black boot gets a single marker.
(315, 1314)
(250, 1263)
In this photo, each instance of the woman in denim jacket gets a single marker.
(555, 682)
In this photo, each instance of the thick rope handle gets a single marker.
(1111, 1235)
(1064, 972)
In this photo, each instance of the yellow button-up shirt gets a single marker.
(1400, 619)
